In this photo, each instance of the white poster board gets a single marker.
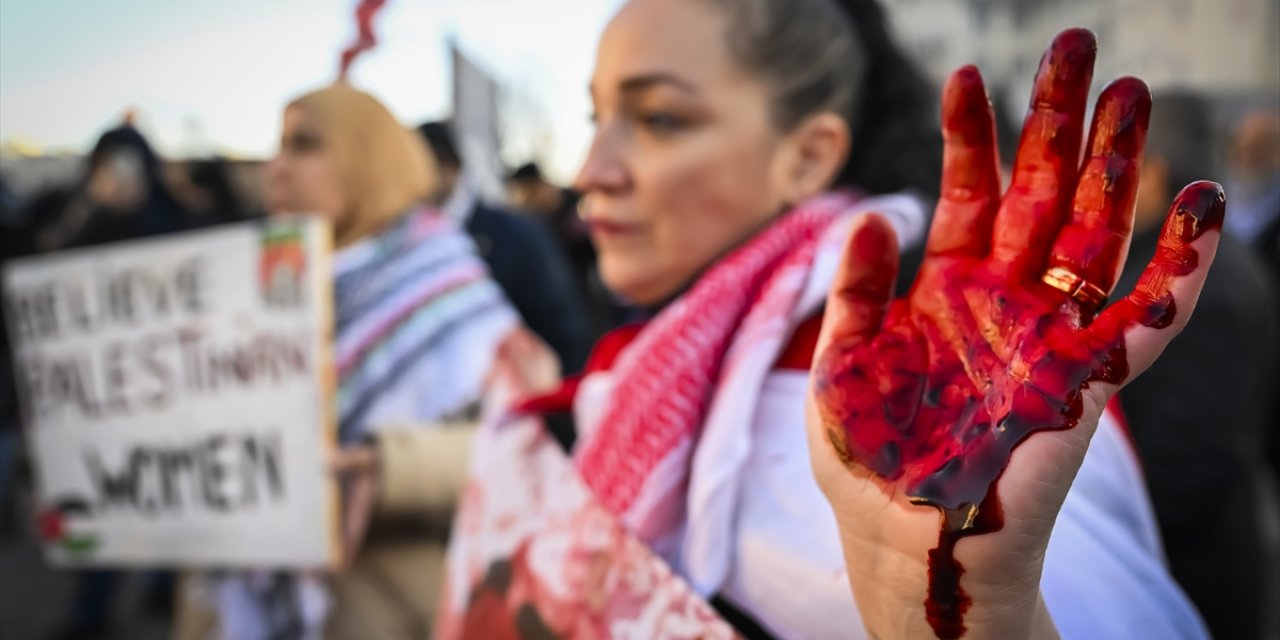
(475, 125)
(176, 397)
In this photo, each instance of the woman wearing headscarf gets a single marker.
(418, 322)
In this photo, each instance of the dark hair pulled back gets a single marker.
(839, 55)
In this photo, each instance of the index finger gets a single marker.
(970, 170)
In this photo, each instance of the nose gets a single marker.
(276, 177)
(603, 171)
(274, 169)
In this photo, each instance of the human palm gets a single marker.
(920, 402)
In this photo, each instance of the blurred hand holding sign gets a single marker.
(176, 397)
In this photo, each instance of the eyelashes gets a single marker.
(661, 123)
(657, 123)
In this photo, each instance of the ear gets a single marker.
(811, 156)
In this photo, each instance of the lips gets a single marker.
(605, 227)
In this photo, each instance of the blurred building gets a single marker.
(1230, 48)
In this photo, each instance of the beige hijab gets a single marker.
(385, 168)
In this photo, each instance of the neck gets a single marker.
(650, 310)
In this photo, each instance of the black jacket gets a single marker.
(1199, 418)
(534, 273)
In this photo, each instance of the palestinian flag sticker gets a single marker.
(62, 526)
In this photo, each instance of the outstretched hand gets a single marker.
(917, 404)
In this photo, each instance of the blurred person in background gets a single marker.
(42, 215)
(123, 196)
(209, 192)
(1200, 416)
(722, 127)
(405, 388)
(10, 205)
(20, 225)
(1254, 181)
(521, 254)
(556, 208)
(14, 242)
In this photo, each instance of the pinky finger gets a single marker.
(1157, 309)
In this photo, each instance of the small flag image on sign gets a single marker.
(177, 397)
(283, 266)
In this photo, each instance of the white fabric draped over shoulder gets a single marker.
(761, 534)
(1104, 574)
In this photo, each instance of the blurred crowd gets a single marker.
(1205, 419)
(533, 242)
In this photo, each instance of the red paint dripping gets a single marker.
(971, 364)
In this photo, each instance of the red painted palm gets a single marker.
(926, 397)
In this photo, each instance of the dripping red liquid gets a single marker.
(932, 406)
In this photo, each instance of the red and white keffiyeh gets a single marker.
(627, 538)
(719, 498)
(638, 462)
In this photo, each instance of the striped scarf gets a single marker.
(417, 320)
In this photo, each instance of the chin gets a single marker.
(626, 283)
(277, 207)
(639, 288)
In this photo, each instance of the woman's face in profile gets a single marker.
(682, 165)
(304, 177)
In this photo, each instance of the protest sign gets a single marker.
(176, 397)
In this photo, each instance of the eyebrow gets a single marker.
(636, 84)
(302, 137)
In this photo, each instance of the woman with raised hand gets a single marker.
(726, 189)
